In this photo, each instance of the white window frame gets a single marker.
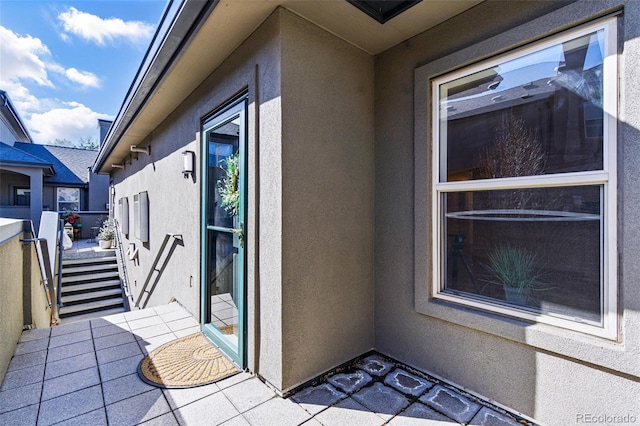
(62, 190)
(605, 177)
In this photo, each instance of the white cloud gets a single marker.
(94, 28)
(22, 59)
(84, 78)
(70, 121)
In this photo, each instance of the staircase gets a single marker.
(90, 288)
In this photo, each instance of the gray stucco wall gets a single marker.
(549, 374)
(310, 211)
(328, 178)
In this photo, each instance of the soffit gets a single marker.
(231, 22)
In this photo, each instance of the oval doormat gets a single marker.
(185, 362)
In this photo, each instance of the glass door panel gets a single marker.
(223, 231)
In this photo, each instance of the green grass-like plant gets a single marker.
(228, 186)
(514, 267)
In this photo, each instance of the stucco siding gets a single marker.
(550, 374)
(328, 175)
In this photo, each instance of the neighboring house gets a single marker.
(36, 177)
(453, 184)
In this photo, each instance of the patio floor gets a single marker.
(84, 373)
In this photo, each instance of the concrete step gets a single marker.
(70, 289)
(88, 261)
(84, 278)
(93, 296)
(95, 306)
(88, 268)
(91, 315)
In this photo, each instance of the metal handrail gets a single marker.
(42, 253)
(122, 264)
(154, 268)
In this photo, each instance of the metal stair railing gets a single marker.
(154, 268)
(42, 253)
(122, 266)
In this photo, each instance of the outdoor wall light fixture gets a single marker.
(117, 166)
(146, 150)
(188, 162)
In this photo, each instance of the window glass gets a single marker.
(68, 199)
(536, 114)
(538, 249)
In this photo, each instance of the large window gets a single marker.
(525, 182)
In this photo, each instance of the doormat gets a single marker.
(184, 363)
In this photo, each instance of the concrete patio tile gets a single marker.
(489, 417)
(382, 400)
(181, 397)
(138, 409)
(23, 396)
(450, 403)
(145, 322)
(152, 343)
(70, 328)
(113, 340)
(70, 405)
(164, 420)
(139, 314)
(201, 412)
(69, 365)
(123, 388)
(375, 365)
(31, 346)
(183, 323)
(25, 376)
(420, 415)
(108, 320)
(316, 398)
(236, 421)
(62, 352)
(35, 334)
(187, 331)
(351, 381)
(25, 416)
(312, 422)
(27, 360)
(407, 383)
(69, 338)
(117, 352)
(152, 331)
(120, 368)
(68, 383)
(174, 315)
(348, 412)
(248, 394)
(94, 418)
(277, 412)
(108, 330)
(233, 380)
(169, 307)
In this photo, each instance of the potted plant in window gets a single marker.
(107, 234)
(516, 270)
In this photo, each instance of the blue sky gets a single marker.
(65, 64)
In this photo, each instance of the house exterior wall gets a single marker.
(327, 200)
(310, 191)
(550, 374)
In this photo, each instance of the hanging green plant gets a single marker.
(228, 186)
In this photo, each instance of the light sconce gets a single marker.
(188, 162)
(146, 150)
(117, 166)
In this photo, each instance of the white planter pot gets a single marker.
(105, 244)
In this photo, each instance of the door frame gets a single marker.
(221, 116)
